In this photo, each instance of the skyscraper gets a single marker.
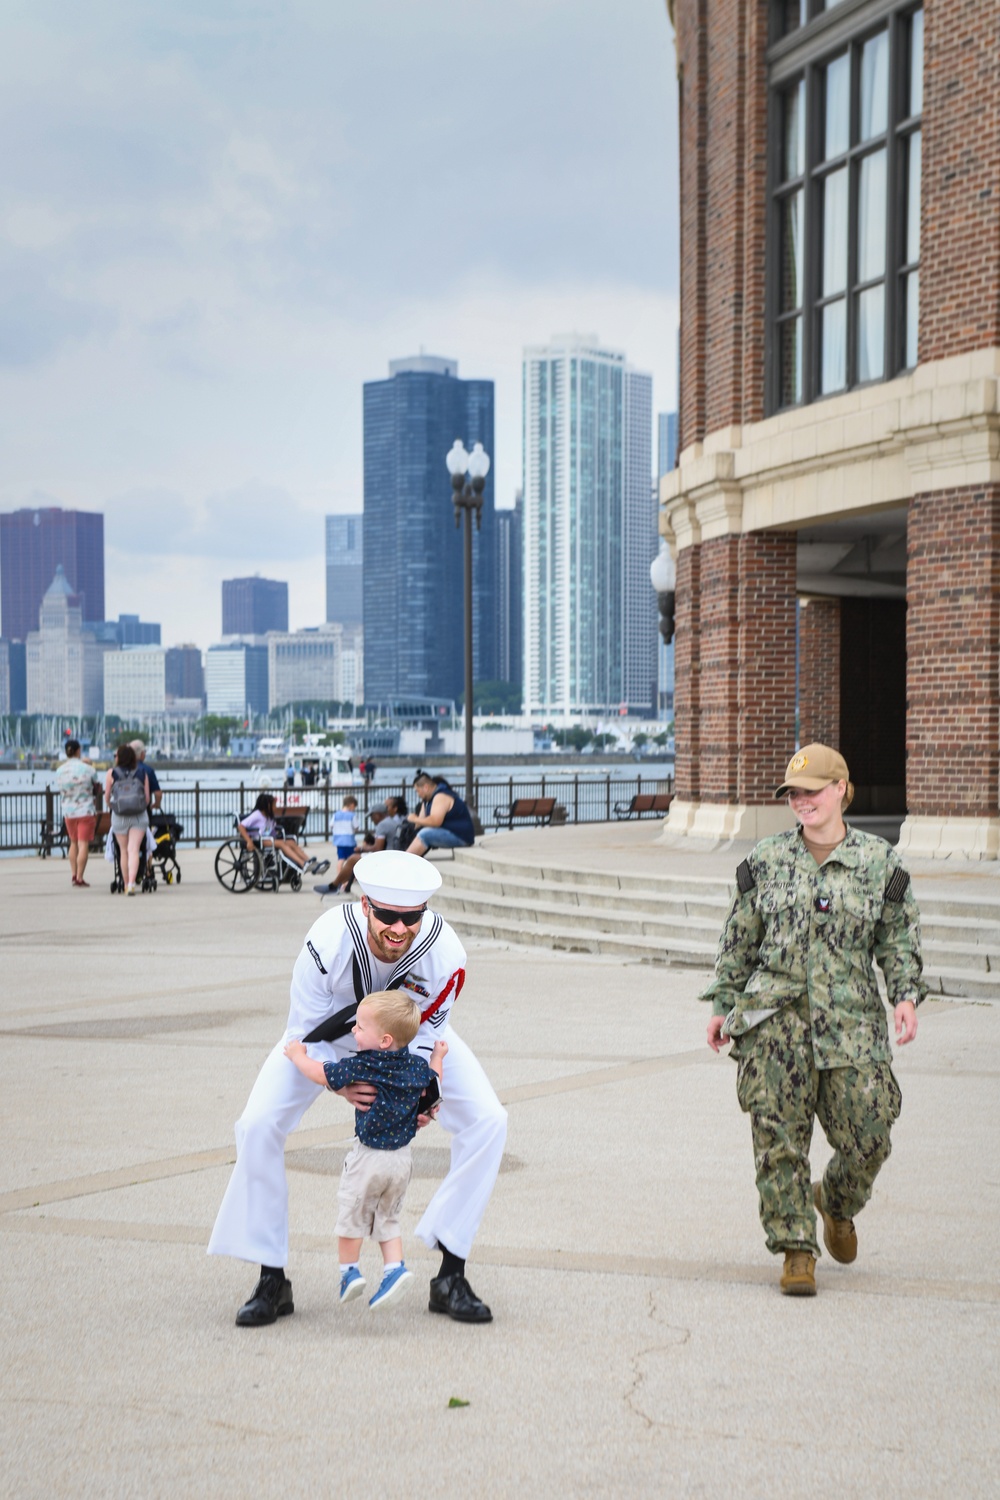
(33, 544)
(65, 664)
(253, 606)
(509, 574)
(184, 674)
(236, 680)
(134, 682)
(666, 442)
(590, 531)
(314, 666)
(344, 560)
(413, 562)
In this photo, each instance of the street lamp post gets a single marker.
(468, 480)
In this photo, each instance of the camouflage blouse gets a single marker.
(800, 929)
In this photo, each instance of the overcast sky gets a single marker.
(218, 218)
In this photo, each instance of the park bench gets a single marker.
(536, 810)
(52, 840)
(642, 803)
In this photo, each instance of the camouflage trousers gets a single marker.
(783, 1092)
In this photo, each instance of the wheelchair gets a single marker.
(262, 868)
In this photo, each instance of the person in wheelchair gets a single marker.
(260, 825)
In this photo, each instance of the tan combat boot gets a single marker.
(838, 1234)
(798, 1279)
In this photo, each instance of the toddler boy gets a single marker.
(377, 1172)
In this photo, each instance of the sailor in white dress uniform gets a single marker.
(387, 941)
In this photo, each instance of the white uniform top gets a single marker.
(253, 1218)
(336, 969)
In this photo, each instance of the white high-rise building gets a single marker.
(318, 665)
(64, 661)
(135, 682)
(236, 679)
(590, 632)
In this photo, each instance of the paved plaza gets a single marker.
(639, 1344)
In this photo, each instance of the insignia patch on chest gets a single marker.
(416, 984)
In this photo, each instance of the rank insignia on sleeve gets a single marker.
(316, 958)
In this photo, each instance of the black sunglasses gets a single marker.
(384, 914)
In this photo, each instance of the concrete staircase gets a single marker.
(674, 919)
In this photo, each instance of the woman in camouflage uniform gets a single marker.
(795, 992)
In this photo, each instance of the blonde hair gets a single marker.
(397, 1014)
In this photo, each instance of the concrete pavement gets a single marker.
(639, 1345)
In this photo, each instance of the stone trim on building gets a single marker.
(937, 428)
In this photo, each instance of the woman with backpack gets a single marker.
(126, 792)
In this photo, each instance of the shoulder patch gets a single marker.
(897, 884)
(316, 958)
(745, 877)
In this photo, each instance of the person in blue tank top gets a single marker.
(443, 821)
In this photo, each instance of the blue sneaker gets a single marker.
(352, 1284)
(394, 1285)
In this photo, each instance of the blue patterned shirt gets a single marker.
(400, 1078)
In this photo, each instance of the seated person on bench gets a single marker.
(260, 825)
(443, 820)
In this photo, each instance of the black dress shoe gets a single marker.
(453, 1295)
(271, 1299)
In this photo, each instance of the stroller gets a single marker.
(167, 832)
(145, 875)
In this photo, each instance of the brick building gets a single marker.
(839, 410)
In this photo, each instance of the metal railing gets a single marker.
(32, 819)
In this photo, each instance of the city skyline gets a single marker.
(202, 267)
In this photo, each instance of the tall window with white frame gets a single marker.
(846, 95)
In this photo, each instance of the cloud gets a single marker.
(183, 594)
(255, 521)
(36, 318)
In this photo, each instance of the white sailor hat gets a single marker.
(397, 878)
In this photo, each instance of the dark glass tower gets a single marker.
(413, 579)
(253, 606)
(33, 544)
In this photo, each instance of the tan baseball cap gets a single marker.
(814, 767)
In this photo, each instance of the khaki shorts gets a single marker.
(372, 1188)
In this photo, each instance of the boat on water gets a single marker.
(308, 768)
(270, 748)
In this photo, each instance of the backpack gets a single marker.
(405, 834)
(128, 794)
